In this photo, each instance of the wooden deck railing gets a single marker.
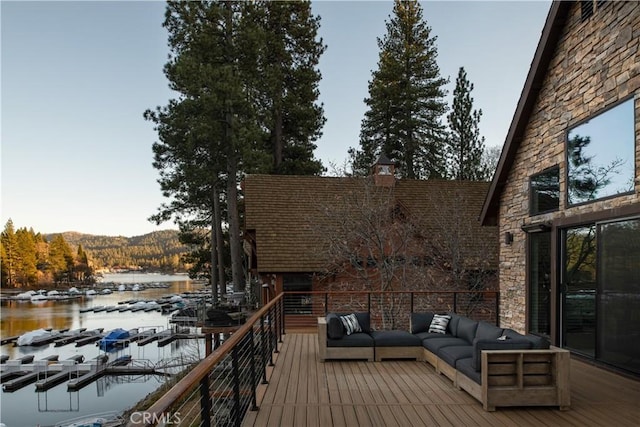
(222, 387)
(389, 309)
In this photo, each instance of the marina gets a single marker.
(48, 371)
(66, 389)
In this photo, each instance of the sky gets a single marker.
(76, 78)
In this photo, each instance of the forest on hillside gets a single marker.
(30, 259)
(159, 250)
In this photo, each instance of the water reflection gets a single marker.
(601, 155)
(26, 408)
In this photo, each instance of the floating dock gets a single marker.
(47, 373)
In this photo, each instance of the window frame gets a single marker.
(531, 191)
(600, 112)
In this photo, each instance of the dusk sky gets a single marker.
(76, 78)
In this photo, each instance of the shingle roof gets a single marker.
(281, 210)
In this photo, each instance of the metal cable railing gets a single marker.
(222, 388)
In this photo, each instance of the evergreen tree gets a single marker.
(9, 255)
(406, 100)
(61, 259)
(82, 269)
(287, 81)
(27, 273)
(237, 112)
(465, 146)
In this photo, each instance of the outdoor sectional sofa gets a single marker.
(498, 367)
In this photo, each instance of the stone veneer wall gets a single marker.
(596, 64)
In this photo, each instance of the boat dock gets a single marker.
(90, 337)
(49, 372)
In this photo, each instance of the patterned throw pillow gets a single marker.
(351, 324)
(439, 323)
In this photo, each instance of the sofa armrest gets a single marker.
(525, 378)
(322, 338)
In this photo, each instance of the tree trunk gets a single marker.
(235, 245)
(214, 245)
(219, 242)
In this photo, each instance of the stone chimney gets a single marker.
(384, 172)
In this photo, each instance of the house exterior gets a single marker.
(566, 193)
(287, 227)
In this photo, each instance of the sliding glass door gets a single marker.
(619, 301)
(601, 292)
(579, 290)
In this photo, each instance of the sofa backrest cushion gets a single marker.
(364, 319)
(467, 329)
(335, 329)
(496, 344)
(539, 343)
(488, 331)
(420, 322)
(452, 327)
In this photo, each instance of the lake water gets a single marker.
(26, 407)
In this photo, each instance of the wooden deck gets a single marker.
(304, 392)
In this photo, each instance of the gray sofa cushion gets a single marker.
(395, 339)
(335, 329)
(464, 366)
(359, 339)
(420, 322)
(432, 335)
(487, 331)
(539, 343)
(496, 344)
(435, 344)
(467, 329)
(453, 353)
(452, 327)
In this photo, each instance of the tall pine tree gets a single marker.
(9, 260)
(287, 81)
(246, 78)
(406, 100)
(465, 146)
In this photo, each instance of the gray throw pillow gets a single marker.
(439, 323)
(350, 323)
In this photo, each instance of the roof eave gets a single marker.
(544, 53)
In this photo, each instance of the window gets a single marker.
(601, 155)
(586, 8)
(540, 283)
(297, 300)
(545, 191)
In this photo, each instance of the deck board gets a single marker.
(302, 391)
